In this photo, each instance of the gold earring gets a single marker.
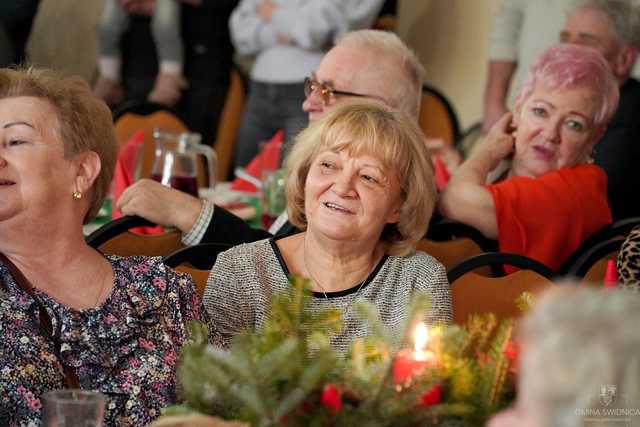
(77, 195)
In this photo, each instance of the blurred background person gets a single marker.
(165, 25)
(360, 184)
(550, 198)
(288, 39)
(16, 20)
(579, 358)
(71, 317)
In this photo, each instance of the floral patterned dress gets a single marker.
(127, 348)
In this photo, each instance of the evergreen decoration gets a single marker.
(287, 374)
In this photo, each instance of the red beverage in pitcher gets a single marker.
(188, 184)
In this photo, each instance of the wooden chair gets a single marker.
(616, 230)
(470, 139)
(114, 238)
(196, 260)
(591, 267)
(473, 293)
(229, 125)
(437, 117)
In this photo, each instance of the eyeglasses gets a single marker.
(324, 91)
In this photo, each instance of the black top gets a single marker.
(618, 153)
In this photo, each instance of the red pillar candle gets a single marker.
(409, 363)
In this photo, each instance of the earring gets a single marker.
(77, 195)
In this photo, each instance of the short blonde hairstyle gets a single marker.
(406, 93)
(85, 122)
(391, 137)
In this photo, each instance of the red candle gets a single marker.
(410, 363)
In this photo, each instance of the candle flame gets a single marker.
(420, 338)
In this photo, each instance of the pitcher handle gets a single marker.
(212, 162)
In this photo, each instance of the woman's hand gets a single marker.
(499, 143)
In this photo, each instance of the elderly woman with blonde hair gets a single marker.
(360, 185)
(69, 316)
(580, 363)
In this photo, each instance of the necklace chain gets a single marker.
(322, 288)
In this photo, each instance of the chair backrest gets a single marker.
(499, 258)
(202, 256)
(437, 117)
(609, 232)
(472, 293)
(114, 238)
(470, 139)
(452, 252)
(591, 267)
(229, 125)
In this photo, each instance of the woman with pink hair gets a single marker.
(549, 197)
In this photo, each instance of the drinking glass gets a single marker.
(73, 408)
(273, 197)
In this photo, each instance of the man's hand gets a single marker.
(162, 205)
(266, 8)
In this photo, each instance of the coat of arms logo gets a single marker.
(607, 394)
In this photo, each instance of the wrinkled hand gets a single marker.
(265, 9)
(492, 114)
(162, 205)
(447, 153)
(499, 142)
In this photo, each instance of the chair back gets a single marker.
(452, 252)
(437, 117)
(591, 267)
(202, 256)
(612, 231)
(473, 293)
(114, 238)
(229, 125)
(199, 276)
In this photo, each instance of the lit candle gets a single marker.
(409, 363)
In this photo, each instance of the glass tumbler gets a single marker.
(73, 408)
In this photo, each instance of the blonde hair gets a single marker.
(367, 127)
(85, 123)
(406, 93)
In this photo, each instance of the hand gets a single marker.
(449, 155)
(492, 114)
(266, 8)
(162, 205)
(499, 142)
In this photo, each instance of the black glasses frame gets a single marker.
(325, 91)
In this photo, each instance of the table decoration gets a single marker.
(286, 373)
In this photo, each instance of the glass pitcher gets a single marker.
(176, 160)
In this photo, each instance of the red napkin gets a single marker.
(268, 158)
(441, 172)
(611, 275)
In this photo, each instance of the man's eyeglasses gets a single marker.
(324, 91)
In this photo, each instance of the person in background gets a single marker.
(550, 198)
(71, 317)
(207, 60)
(364, 64)
(579, 361)
(359, 182)
(16, 20)
(165, 25)
(288, 38)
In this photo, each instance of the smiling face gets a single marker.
(350, 197)
(34, 174)
(554, 129)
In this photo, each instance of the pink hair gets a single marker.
(567, 66)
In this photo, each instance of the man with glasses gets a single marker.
(367, 64)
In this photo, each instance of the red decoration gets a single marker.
(441, 173)
(406, 365)
(511, 350)
(331, 398)
(611, 275)
(431, 397)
